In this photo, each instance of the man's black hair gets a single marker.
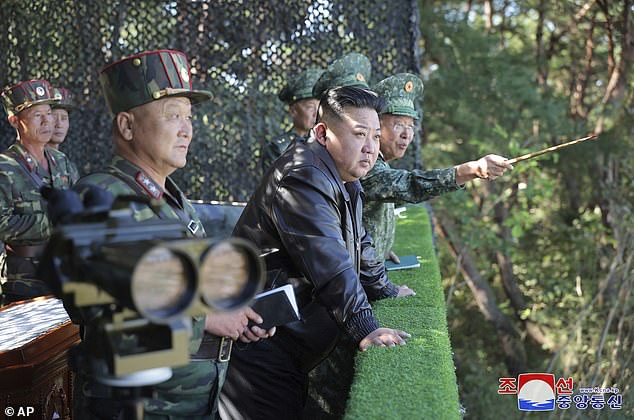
(334, 100)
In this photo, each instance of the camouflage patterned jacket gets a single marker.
(124, 178)
(23, 217)
(188, 393)
(274, 148)
(384, 186)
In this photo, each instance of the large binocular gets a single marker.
(136, 285)
(149, 267)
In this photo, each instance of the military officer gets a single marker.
(25, 167)
(384, 186)
(61, 120)
(302, 107)
(151, 96)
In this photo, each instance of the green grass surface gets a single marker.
(418, 380)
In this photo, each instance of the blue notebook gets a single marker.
(407, 261)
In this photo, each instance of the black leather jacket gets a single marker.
(304, 209)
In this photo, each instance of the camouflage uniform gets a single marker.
(24, 223)
(189, 390)
(298, 88)
(124, 178)
(384, 186)
(192, 392)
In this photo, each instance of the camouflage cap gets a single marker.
(352, 69)
(300, 86)
(400, 92)
(66, 99)
(148, 76)
(25, 94)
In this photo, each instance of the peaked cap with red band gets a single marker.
(148, 76)
(26, 94)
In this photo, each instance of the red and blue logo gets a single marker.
(536, 392)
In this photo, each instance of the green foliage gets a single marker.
(416, 380)
(567, 219)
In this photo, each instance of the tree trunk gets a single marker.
(511, 343)
(540, 60)
(488, 15)
(509, 281)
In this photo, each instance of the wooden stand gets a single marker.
(35, 379)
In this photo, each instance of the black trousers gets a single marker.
(263, 382)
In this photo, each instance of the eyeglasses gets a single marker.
(400, 127)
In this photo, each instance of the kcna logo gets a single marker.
(536, 392)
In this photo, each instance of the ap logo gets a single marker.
(536, 392)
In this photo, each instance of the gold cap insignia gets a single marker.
(409, 86)
(360, 77)
(136, 62)
(156, 95)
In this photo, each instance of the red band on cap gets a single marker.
(139, 55)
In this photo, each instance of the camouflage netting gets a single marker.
(241, 50)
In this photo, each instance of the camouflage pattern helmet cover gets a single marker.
(148, 76)
(65, 97)
(400, 91)
(352, 69)
(300, 86)
(26, 94)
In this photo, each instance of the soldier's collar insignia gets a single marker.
(360, 77)
(148, 185)
(409, 86)
(192, 226)
(30, 162)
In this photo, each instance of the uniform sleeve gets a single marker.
(73, 172)
(373, 274)
(23, 218)
(309, 224)
(386, 184)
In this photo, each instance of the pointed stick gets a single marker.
(550, 149)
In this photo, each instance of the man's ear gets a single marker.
(321, 131)
(13, 120)
(125, 121)
(292, 110)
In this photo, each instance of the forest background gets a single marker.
(537, 266)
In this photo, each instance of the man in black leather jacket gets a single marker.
(309, 207)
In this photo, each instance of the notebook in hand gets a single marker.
(407, 261)
(276, 307)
